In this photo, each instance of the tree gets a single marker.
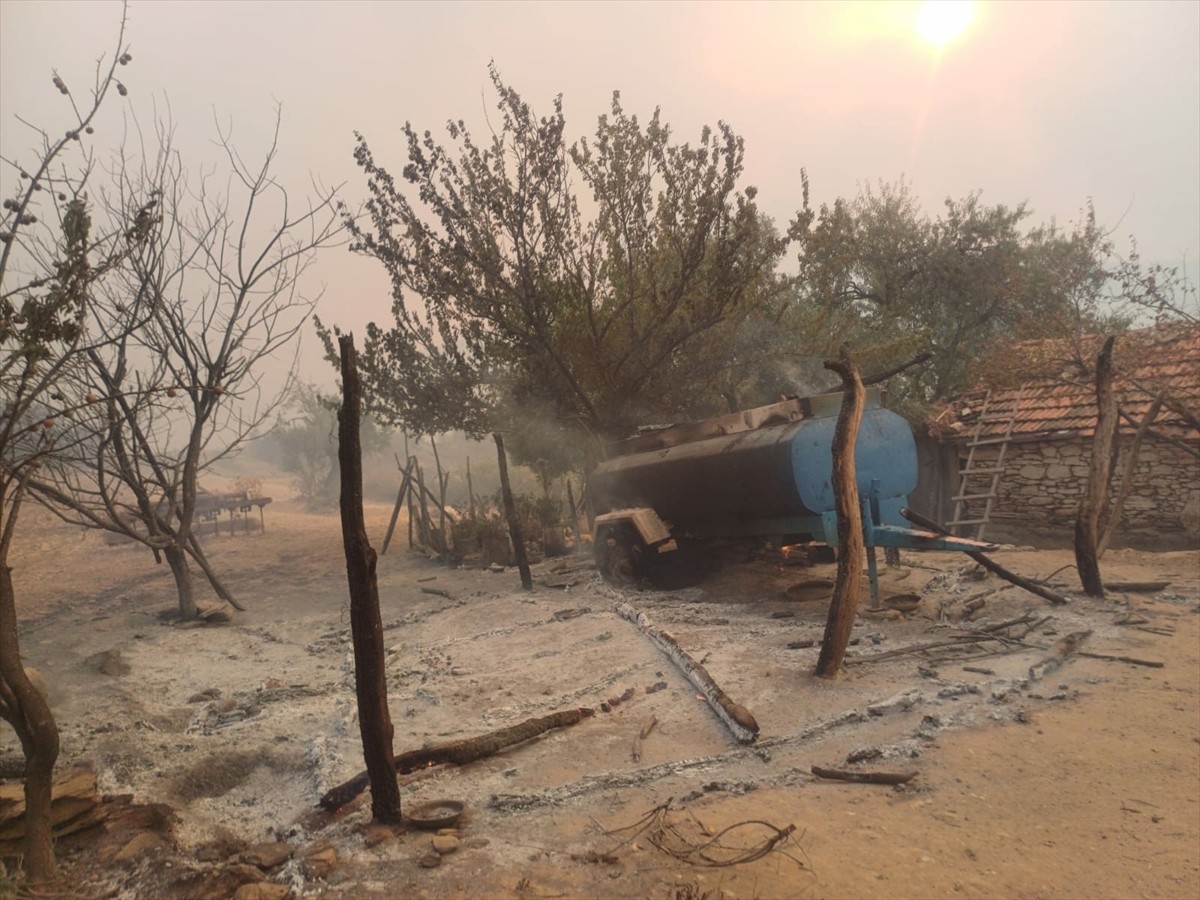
(52, 262)
(1101, 294)
(305, 437)
(509, 297)
(879, 271)
(219, 274)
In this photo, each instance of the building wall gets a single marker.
(1043, 484)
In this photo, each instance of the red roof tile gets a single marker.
(1165, 357)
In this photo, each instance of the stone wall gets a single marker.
(1043, 483)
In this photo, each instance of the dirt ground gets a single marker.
(1084, 782)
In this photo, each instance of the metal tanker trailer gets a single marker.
(762, 473)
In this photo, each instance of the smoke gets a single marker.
(807, 375)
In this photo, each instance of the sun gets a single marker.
(941, 21)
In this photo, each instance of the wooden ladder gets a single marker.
(979, 482)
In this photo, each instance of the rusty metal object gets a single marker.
(435, 814)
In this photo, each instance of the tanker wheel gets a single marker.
(620, 556)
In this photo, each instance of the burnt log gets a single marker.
(459, 752)
(736, 717)
(990, 564)
(864, 777)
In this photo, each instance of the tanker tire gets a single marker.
(620, 565)
(620, 557)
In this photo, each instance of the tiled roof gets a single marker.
(1164, 357)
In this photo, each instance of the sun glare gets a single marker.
(941, 21)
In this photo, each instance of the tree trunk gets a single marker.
(177, 560)
(445, 538)
(425, 529)
(1131, 460)
(849, 514)
(404, 481)
(1095, 495)
(510, 510)
(196, 552)
(412, 502)
(366, 624)
(470, 490)
(574, 516)
(24, 707)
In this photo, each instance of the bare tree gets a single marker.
(220, 273)
(52, 263)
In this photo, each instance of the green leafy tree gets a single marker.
(515, 290)
(1079, 287)
(879, 272)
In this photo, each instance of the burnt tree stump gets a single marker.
(366, 625)
(851, 551)
(1095, 493)
(510, 512)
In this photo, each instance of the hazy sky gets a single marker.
(1051, 103)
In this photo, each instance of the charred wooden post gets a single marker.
(851, 550)
(1095, 493)
(574, 515)
(1062, 650)
(425, 531)
(404, 482)
(366, 625)
(510, 511)
(412, 510)
(441, 504)
(1131, 459)
(412, 461)
(470, 491)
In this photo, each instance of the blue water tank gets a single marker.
(772, 472)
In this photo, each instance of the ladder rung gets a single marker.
(954, 522)
(982, 470)
(962, 497)
(1006, 417)
(999, 440)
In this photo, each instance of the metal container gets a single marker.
(765, 473)
(778, 474)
